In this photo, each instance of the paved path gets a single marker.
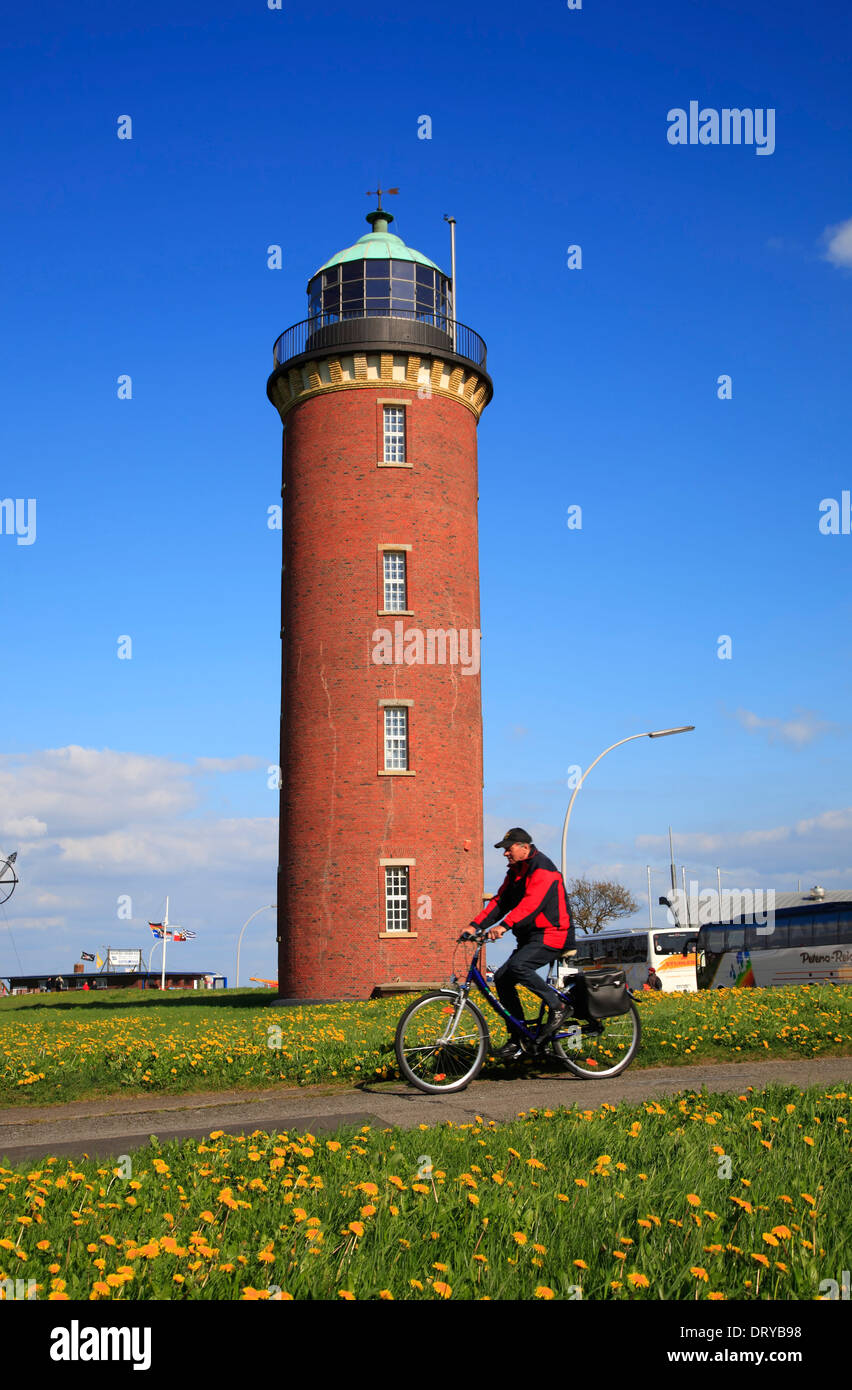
(119, 1124)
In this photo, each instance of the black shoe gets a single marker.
(511, 1051)
(592, 1028)
(554, 1023)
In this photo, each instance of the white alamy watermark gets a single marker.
(728, 125)
(836, 517)
(753, 906)
(18, 518)
(76, 1343)
(411, 646)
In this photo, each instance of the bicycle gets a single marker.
(442, 1038)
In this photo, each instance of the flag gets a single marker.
(157, 929)
(181, 935)
(99, 963)
(84, 955)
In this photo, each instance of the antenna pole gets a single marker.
(165, 938)
(452, 222)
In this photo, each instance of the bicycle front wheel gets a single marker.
(441, 1042)
(601, 1054)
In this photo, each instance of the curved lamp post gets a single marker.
(657, 733)
(267, 907)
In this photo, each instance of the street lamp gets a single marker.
(657, 733)
(267, 907)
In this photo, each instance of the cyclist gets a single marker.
(532, 903)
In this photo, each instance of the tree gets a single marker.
(596, 903)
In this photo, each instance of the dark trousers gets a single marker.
(520, 969)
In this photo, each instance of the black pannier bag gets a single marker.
(601, 994)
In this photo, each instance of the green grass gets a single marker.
(630, 1201)
(55, 1048)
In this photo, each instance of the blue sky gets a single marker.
(700, 517)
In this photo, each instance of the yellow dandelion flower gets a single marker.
(386, 1294)
(416, 1284)
(699, 1272)
(581, 1264)
(638, 1281)
(761, 1259)
(346, 1293)
(519, 1237)
(693, 1199)
(443, 1289)
(544, 1292)
(356, 1228)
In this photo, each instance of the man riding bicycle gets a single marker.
(532, 903)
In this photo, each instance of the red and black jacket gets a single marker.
(533, 903)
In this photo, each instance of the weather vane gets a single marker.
(378, 194)
(8, 877)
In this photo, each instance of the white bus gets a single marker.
(808, 941)
(670, 950)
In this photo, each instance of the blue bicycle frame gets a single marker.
(518, 1025)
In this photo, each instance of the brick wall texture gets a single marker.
(338, 816)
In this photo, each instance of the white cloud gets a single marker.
(88, 789)
(22, 828)
(224, 845)
(97, 827)
(802, 729)
(838, 244)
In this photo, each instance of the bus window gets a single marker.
(801, 931)
(735, 939)
(826, 926)
(635, 950)
(672, 943)
(844, 934)
(779, 938)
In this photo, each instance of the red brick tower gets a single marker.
(379, 392)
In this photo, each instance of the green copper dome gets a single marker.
(379, 245)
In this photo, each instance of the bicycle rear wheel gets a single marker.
(441, 1042)
(601, 1054)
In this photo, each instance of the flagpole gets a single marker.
(165, 939)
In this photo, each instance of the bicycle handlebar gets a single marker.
(480, 934)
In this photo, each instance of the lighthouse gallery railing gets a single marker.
(461, 340)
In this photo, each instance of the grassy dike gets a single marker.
(708, 1196)
(57, 1048)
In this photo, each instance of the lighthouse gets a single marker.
(379, 391)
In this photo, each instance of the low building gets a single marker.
(115, 979)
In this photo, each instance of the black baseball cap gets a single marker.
(515, 836)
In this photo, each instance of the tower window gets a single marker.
(396, 595)
(397, 906)
(396, 738)
(394, 434)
